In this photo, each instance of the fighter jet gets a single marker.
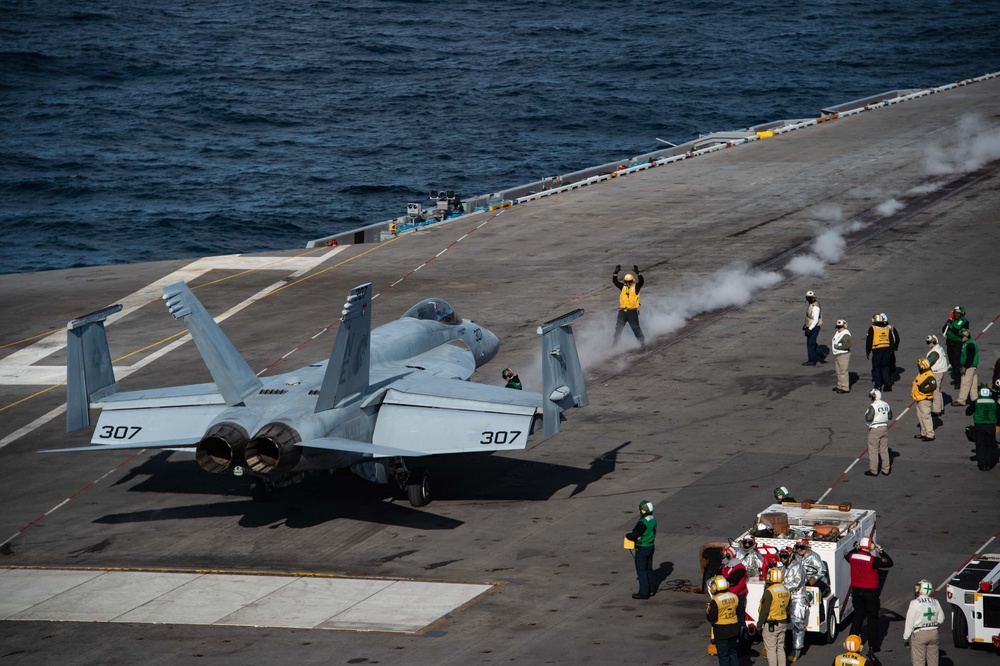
(398, 391)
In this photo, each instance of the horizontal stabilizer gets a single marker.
(354, 446)
(452, 416)
(184, 443)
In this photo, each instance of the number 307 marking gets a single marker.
(500, 436)
(119, 432)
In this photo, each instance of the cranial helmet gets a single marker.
(866, 543)
(841, 323)
(728, 554)
(876, 318)
(875, 394)
(923, 364)
(507, 373)
(645, 506)
(932, 338)
(924, 588)
(775, 575)
(628, 278)
(785, 553)
(810, 294)
(985, 392)
(780, 493)
(718, 584)
(748, 542)
(852, 643)
(959, 309)
(802, 543)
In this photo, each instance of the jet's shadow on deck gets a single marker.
(325, 497)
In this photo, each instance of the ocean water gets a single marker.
(133, 132)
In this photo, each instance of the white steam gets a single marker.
(976, 145)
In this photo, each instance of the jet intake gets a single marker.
(222, 447)
(274, 449)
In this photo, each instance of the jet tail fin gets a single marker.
(347, 374)
(229, 370)
(562, 376)
(89, 373)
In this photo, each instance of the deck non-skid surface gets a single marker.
(222, 599)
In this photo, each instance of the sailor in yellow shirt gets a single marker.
(853, 656)
(628, 304)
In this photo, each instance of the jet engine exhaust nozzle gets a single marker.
(274, 449)
(222, 447)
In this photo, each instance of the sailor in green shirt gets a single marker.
(513, 381)
(968, 362)
(643, 534)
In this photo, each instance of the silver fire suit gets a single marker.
(812, 564)
(798, 606)
(751, 560)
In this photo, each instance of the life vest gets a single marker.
(970, 347)
(727, 603)
(649, 535)
(740, 588)
(986, 409)
(953, 330)
(809, 314)
(629, 298)
(780, 598)
(836, 344)
(850, 659)
(880, 337)
(863, 574)
(915, 391)
(942, 365)
(881, 417)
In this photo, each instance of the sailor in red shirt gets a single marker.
(866, 560)
(735, 573)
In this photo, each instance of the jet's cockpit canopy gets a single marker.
(433, 309)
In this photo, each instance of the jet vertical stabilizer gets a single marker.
(89, 373)
(347, 375)
(562, 376)
(230, 371)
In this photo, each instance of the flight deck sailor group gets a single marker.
(785, 603)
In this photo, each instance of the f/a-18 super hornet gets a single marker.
(397, 391)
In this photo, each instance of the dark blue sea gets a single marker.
(135, 131)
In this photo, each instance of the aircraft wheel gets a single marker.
(959, 628)
(261, 490)
(418, 488)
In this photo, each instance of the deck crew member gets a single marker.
(840, 344)
(920, 633)
(984, 415)
(811, 328)
(924, 385)
(644, 534)
(866, 561)
(853, 656)
(939, 365)
(725, 626)
(968, 361)
(877, 417)
(513, 381)
(798, 605)
(628, 304)
(736, 574)
(952, 331)
(879, 343)
(812, 565)
(773, 617)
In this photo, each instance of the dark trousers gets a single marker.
(812, 349)
(881, 372)
(986, 446)
(953, 348)
(630, 317)
(644, 569)
(728, 654)
(866, 607)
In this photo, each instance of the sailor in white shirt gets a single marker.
(920, 633)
